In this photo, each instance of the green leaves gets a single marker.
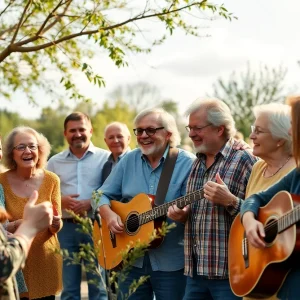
(88, 253)
(60, 34)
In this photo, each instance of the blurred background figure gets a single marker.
(25, 155)
(13, 251)
(117, 138)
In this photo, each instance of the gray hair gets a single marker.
(43, 147)
(122, 125)
(167, 121)
(279, 121)
(218, 114)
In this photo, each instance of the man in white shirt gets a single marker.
(80, 170)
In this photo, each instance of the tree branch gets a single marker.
(18, 46)
(49, 17)
(37, 35)
(5, 53)
(20, 22)
(8, 30)
(8, 5)
(58, 17)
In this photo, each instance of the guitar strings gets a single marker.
(274, 223)
(131, 223)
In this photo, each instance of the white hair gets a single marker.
(279, 121)
(167, 121)
(119, 124)
(218, 114)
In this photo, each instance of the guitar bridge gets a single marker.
(245, 251)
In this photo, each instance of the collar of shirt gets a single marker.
(91, 148)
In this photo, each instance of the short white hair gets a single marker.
(167, 121)
(119, 124)
(218, 114)
(279, 121)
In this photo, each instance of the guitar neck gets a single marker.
(162, 210)
(289, 219)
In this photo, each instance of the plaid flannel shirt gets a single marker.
(208, 226)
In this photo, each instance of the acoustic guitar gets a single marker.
(140, 217)
(259, 273)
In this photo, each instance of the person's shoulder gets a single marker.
(51, 176)
(186, 154)
(2, 176)
(259, 164)
(245, 153)
(59, 156)
(247, 157)
(101, 151)
(295, 173)
(131, 155)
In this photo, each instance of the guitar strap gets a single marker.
(165, 176)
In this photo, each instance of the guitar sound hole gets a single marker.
(271, 230)
(132, 223)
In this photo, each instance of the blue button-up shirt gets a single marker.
(132, 175)
(79, 175)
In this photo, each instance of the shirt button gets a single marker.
(195, 245)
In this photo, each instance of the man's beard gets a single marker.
(151, 150)
(78, 143)
(201, 149)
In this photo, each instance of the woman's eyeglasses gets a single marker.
(22, 147)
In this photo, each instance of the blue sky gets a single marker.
(184, 68)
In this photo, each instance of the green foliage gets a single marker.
(10, 120)
(121, 107)
(118, 111)
(41, 41)
(241, 92)
(88, 253)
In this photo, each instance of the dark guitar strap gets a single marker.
(165, 176)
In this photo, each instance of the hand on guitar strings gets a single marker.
(113, 221)
(177, 214)
(254, 230)
(218, 192)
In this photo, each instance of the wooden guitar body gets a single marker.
(109, 254)
(259, 273)
(140, 217)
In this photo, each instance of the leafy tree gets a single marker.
(9, 120)
(120, 112)
(241, 92)
(45, 40)
(51, 123)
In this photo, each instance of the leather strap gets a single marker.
(165, 176)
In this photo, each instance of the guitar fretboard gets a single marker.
(289, 219)
(162, 210)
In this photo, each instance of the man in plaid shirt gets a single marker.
(223, 173)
